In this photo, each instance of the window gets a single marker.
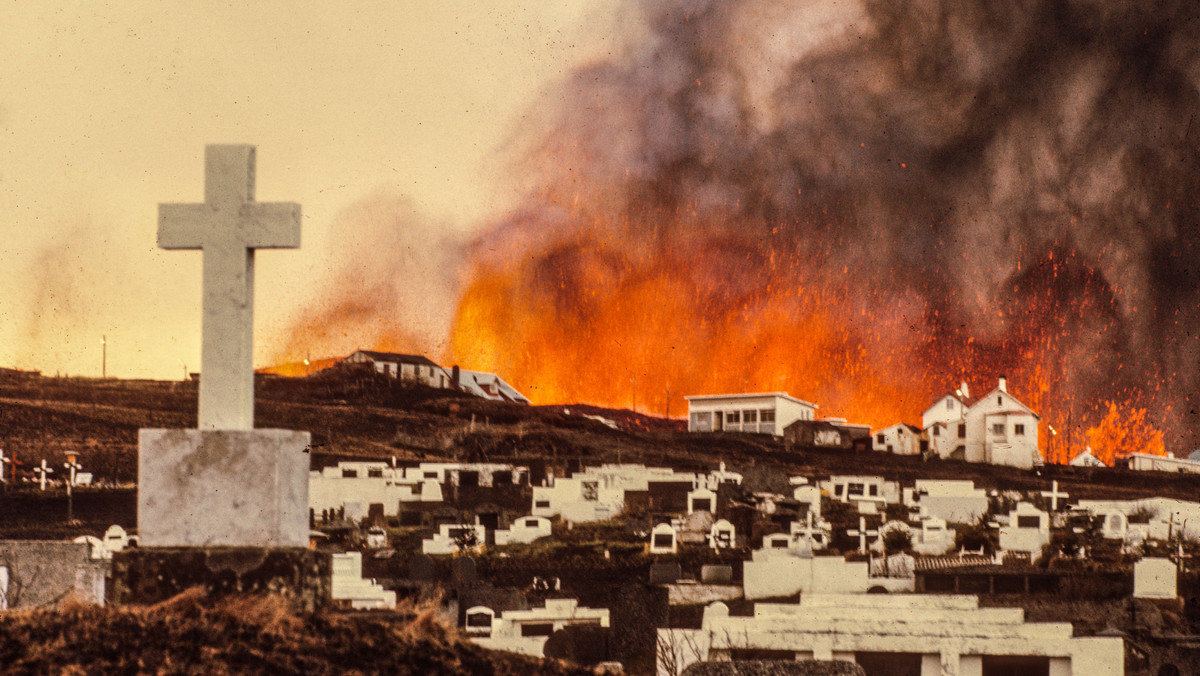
(702, 421)
(1029, 522)
(855, 489)
(431, 475)
(733, 416)
(837, 490)
(949, 404)
(879, 438)
(541, 504)
(873, 490)
(767, 415)
(375, 472)
(1019, 430)
(962, 430)
(936, 430)
(999, 400)
(479, 619)
(349, 474)
(998, 429)
(750, 416)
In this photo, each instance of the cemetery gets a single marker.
(644, 544)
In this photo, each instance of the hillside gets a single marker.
(260, 635)
(356, 415)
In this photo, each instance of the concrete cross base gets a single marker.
(222, 487)
(146, 575)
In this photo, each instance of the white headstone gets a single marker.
(663, 539)
(1155, 579)
(225, 483)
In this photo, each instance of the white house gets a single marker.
(761, 413)
(997, 429)
(900, 439)
(895, 633)
(1087, 459)
(1144, 462)
(526, 631)
(408, 367)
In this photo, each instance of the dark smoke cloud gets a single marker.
(1024, 174)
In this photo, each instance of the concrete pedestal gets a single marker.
(146, 575)
(207, 488)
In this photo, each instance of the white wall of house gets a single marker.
(899, 439)
(761, 413)
(1002, 430)
(948, 409)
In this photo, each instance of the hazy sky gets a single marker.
(105, 109)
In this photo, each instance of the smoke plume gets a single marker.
(862, 203)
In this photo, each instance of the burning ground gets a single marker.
(862, 204)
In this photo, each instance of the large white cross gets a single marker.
(1054, 495)
(228, 227)
(42, 472)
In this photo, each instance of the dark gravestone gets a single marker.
(463, 573)
(582, 644)
(714, 574)
(636, 611)
(421, 568)
(375, 514)
(665, 573)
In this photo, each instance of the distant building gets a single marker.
(485, 385)
(759, 413)
(1162, 463)
(828, 433)
(997, 429)
(407, 367)
(900, 439)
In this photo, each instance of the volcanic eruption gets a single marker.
(862, 204)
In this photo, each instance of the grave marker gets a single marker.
(42, 472)
(862, 534)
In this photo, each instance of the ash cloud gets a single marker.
(1019, 180)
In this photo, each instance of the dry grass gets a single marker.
(190, 634)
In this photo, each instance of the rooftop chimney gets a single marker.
(966, 394)
(1003, 384)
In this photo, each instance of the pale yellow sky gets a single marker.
(106, 107)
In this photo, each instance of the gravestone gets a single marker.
(665, 573)
(463, 573)
(716, 574)
(1155, 579)
(224, 506)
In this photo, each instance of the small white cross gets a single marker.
(1171, 523)
(862, 534)
(1054, 495)
(228, 227)
(72, 467)
(42, 472)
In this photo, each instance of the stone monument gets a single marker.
(224, 497)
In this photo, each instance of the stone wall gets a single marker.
(143, 575)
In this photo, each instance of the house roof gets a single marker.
(397, 357)
(476, 383)
(751, 395)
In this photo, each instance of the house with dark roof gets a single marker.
(407, 367)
